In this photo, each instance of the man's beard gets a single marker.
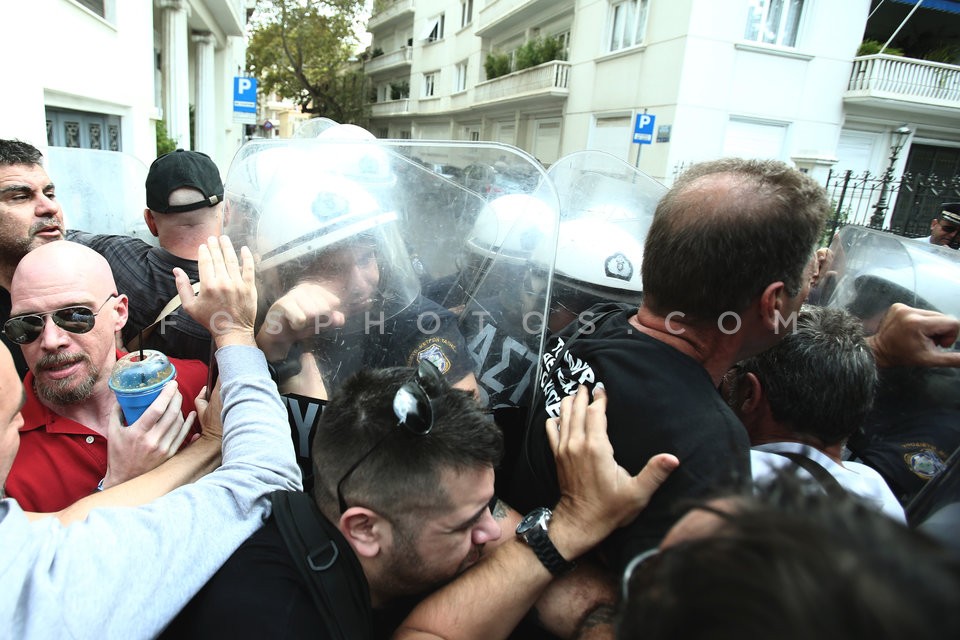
(65, 391)
(406, 573)
(12, 250)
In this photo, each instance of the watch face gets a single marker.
(532, 520)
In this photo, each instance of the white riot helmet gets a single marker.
(506, 236)
(600, 257)
(512, 227)
(355, 155)
(302, 220)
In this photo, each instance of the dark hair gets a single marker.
(795, 563)
(820, 379)
(402, 477)
(725, 231)
(18, 152)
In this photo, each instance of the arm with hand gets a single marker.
(572, 601)
(597, 496)
(195, 461)
(909, 337)
(153, 439)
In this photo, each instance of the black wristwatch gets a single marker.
(533, 530)
(281, 370)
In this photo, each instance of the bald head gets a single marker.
(61, 267)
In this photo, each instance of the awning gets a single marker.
(950, 6)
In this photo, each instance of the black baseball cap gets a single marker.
(182, 168)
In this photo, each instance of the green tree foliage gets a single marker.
(300, 49)
(165, 144)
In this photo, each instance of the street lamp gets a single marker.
(879, 211)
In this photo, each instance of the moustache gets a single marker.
(53, 360)
(44, 224)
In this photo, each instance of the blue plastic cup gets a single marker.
(138, 381)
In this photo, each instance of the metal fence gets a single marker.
(865, 199)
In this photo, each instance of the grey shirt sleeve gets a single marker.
(126, 572)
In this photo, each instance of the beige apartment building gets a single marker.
(762, 78)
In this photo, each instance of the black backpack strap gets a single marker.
(826, 480)
(332, 574)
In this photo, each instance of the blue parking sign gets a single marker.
(245, 100)
(643, 128)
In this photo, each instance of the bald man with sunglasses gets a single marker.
(65, 313)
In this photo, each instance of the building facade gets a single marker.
(759, 78)
(102, 74)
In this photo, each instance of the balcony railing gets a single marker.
(392, 108)
(401, 56)
(548, 78)
(386, 12)
(499, 15)
(907, 79)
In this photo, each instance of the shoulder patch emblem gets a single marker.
(432, 351)
(925, 463)
(618, 266)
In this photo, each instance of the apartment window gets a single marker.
(434, 30)
(83, 130)
(429, 84)
(773, 21)
(460, 79)
(564, 40)
(94, 5)
(466, 12)
(628, 23)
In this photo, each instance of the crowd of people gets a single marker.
(333, 460)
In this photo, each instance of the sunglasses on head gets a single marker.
(28, 327)
(413, 407)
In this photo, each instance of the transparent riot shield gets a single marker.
(100, 191)
(606, 207)
(360, 246)
(915, 424)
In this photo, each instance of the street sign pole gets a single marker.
(643, 132)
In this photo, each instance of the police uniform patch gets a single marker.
(618, 266)
(435, 351)
(925, 463)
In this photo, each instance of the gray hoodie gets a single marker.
(126, 572)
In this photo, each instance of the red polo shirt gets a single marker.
(61, 461)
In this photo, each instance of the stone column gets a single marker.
(205, 94)
(175, 70)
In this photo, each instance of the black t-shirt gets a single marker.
(259, 593)
(659, 400)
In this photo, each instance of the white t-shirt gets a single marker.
(855, 477)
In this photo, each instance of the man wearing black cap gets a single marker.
(945, 227)
(184, 208)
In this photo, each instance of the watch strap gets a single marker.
(538, 540)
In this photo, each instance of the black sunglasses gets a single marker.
(413, 407)
(28, 327)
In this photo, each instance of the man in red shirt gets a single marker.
(65, 313)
